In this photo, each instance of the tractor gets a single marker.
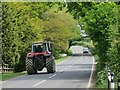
(40, 57)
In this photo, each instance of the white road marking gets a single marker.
(91, 73)
(52, 76)
(66, 68)
(39, 83)
(61, 71)
(73, 64)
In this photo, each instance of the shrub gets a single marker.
(102, 79)
(69, 52)
(19, 67)
(56, 53)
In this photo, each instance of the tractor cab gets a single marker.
(41, 48)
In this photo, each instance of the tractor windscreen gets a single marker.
(38, 48)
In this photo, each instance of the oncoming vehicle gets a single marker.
(40, 56)
(85, 50)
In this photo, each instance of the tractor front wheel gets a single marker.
(30, 67)
(50, 64)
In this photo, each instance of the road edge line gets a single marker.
(52, 75)
(91, 73)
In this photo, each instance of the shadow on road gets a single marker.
(65, 75)
(76, 72)
(82, 54)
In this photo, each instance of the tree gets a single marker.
(21, 26)
(101, 22)
(56, 24)
(26, 22)
(100, 25)
(59, 27)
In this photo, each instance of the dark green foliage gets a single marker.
(19, 67)
(79, 9)
(101, 23)
(56, 53)
(69, 52)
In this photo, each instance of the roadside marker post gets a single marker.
(112, 85)
(119, 84)
(109, 79)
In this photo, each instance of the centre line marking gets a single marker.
(39, 83)
(66, 68)
(61, 71)
(52, 75)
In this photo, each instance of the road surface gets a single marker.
(75, 72)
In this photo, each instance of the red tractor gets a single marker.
(40, 56)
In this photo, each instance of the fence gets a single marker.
(111, 83)
(6, 68)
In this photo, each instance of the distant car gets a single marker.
(85, 50)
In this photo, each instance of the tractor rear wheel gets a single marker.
(30, 67)
(50, 64)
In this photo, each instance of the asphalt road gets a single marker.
(75, 72)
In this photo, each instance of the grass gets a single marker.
(61, 59)
(6, 76)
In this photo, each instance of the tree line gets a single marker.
(26, 22)
(101, 22)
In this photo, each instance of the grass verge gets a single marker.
(6, 76)
(61, 59)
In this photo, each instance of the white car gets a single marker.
(85, 50)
